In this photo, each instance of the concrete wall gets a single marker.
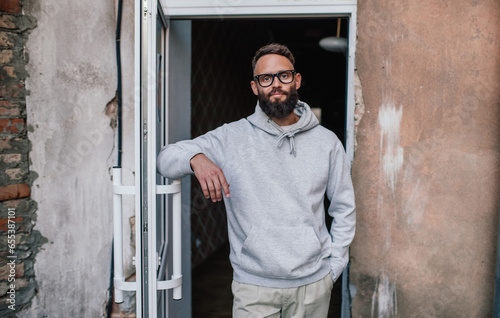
(427, 164)
(72, 77)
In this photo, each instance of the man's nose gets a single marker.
(276, 82)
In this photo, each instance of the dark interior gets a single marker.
(222, 51)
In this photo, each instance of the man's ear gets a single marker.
(254, 88)
(298, 80)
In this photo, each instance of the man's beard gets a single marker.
(278, 109)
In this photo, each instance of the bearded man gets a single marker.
(272, 169)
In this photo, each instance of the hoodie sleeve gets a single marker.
(174, 159)
(342, 209)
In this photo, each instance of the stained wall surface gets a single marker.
(427, 165)
(72, 77)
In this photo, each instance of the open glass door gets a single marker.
(160, 204)
(158, 257)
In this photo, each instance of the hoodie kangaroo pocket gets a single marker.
(280, 252)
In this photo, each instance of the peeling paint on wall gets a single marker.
(389, 119)
(359, 106)
(111, 110)
(384, 299)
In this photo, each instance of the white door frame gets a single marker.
(219, 9)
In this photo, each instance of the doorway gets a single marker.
(220, 92)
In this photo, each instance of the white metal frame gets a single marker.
(145, 132)
(224, 8)
(148, 77)
(119, 279)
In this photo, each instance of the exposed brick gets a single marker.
(4, 286)
(5, 271)
(14, 191)
(21, 238)
(14, 147)
(8, 72)
(10, 111)
(18, 284)
(12, 103)
(6, 56)
(21, 283)
(22, 207)
(7, 21)
(6, 39)
(5, 143)
(10, 6)
(5, 222)
(11, 144)
(11, 91)
(7, 103)
(12, 125)
(15, 174)
(15, 204)
(11, 158)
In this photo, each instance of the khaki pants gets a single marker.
(309, 301)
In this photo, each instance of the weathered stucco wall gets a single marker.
(427, 164)
(72, 77)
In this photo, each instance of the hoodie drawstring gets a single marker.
(306, 121)
(290, 135)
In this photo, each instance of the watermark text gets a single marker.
(11, 256)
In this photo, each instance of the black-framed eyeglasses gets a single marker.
(265, 80)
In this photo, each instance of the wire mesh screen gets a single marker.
(220, 94)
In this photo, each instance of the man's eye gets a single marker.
(266, 78)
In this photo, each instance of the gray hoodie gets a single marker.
(276, 216)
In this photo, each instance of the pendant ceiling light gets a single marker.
(334, 43)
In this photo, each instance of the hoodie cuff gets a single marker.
(337, 268)
(189, 156)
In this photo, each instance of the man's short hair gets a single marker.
(273, 48)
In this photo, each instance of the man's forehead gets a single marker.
(272, 63)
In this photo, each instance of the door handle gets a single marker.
(176, 282)
(119, 280)
(121, 285)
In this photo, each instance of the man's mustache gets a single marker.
(277, 90)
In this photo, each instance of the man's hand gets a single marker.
(210, 176)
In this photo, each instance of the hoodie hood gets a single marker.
(307, 120)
